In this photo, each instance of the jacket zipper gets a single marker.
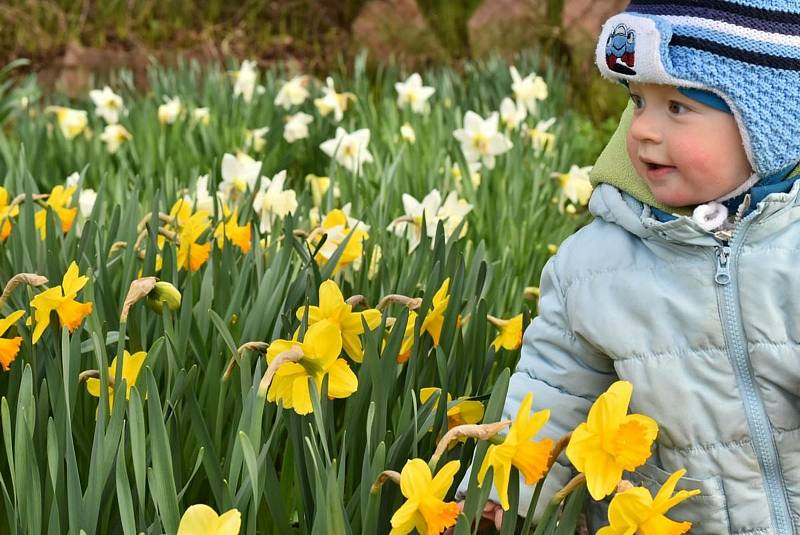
(758, 422)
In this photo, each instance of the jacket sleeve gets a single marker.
(564, 372)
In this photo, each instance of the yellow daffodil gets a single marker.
(6, 213)
(636, 511)
(59, 200)
(434, 319)
(465, 411)
(9, 347)
(61, 300)
(611, 440)
(408, 338)
(71, 122)
(530, 457)
(510, 336)
(320, 348)
(131, 366)
(333, 308)
(425, 508)
(192, 255)
(338, 227)
(203, 520)
(239, 235)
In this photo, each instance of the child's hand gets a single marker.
(492, 515)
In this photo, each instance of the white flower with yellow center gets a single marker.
(201, 115)
(512, 113)
(541, 138)
(408, 134)
(271, 201)
(114, 135)
(474, 174)
(70, 122)
(575, 184)
(331, 101)
(480, 140)
(169, 112)
(108, 104)
(452, 213)
(292, 93)
(239, 173)
(255, 138)
(297, 126)
(245, 80)
(413, 93)
(528, 90)
(349, 150)
(410, 225)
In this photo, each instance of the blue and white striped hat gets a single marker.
(745, 51)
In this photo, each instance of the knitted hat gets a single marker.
(745, 51)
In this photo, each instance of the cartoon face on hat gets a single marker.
(748, 56)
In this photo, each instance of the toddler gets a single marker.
(687, 282)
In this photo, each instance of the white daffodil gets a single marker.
(528, 90)
(297, 126)
(201, 115)
(410, 225)
(512, 113)
(255, 138)
(71, 122)
(169, 112)
(408, 134)
(480, 140)
(245, 80)
(540, 138)
(292, 93)
(474, 174)
(86, 200)
(72, 180)
(239, 173)
(202, 195)
(413, 93)
(113, 136)
(350, 150)
(108, 104)
(271, 201)
(575, 184)
(331, 101)
(452, 213)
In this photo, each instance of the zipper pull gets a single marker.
(723, 275)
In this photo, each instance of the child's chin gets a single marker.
(671, 198)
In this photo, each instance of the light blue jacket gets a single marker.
(707, 332)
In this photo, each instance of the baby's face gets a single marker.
(687, 152)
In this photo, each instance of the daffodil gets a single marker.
(320, 349)
(203, 198)
(245, 80)
(203, 520)
(239, 173)
(9, 347)
(271, 201)
(108, 104)
(297, 127)
(452, 212)
(201, 115)
(292, 93)
(575, 184)
(333, 308)
(465, 411)
(434, 319)
(510, 335)
(425, 508)
(407, 133)
(528, 90)
(474, 174)
(61, 300)
(338, 226)
(636, 511)
(319, 186)
(192, 255)
(611, 440)
(254, 139)
(59, 201)
(131, 366)
(331, 101)
(86, 200)
(349, 150)
(169, 112)
(71, 122)
(541, 138)
(7, 211)
(480, 139)
(413, 93)
(408, 337)
(410, 226)
(518, 449)
(114, 135)
(512, 113)
(239, 235)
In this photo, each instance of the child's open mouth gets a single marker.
(657, 171)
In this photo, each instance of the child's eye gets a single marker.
(677, 108)
(638, 101)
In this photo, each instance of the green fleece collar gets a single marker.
(614, 167)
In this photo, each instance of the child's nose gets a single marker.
(645, 127)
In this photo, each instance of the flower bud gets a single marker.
(164, 293)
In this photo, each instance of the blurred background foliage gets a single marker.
(73, 43)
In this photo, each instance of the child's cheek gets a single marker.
(695, 156)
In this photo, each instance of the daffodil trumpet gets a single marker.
(383, 477)
(257, 347)
(477, 431)
(293, 354)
